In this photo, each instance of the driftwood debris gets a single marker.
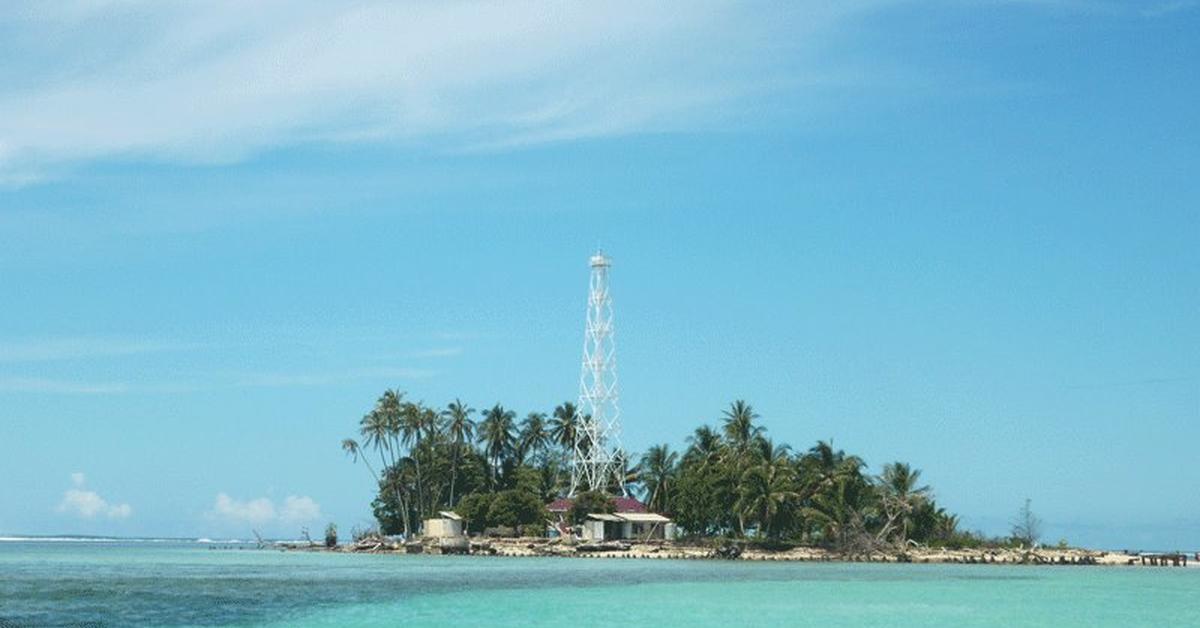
(610, 546)
(728, 551)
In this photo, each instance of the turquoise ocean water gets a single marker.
(187, 584)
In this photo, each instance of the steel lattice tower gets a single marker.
(596, 463)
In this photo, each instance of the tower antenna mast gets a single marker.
(597, 456)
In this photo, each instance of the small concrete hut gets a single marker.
(447, 525)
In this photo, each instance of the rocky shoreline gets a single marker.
(666, 550)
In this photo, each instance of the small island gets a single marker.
(448, 483)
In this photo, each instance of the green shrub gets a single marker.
(473, 509)
(331, 535)
(515, 508)
(589, 502)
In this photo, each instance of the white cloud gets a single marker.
(218, 81)
(262, 510)
(299, 509)
(88, 504)
(259, 510)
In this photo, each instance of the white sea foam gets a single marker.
(90, 539)
(60, 539)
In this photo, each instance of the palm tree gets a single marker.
(374, 430)
(461, 429)
(833, 488)
(534, 436)
(740, 435)
(411, 429)
(767, 495)
(768, 452)
(430, 423)
(704, 445)
(354, 450)
(496, 432)
(947, 525)
(583, 434)
(900, 495)
(822, 464)
(391, 406)
(564, 426)
(739, 426)
(836, 509)
(656, 473)
(399, 479)
(379, 429)
(423, 429)
(624, 477)
(826, 457)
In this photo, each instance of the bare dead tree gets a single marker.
(1027, 527)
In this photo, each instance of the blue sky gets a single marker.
(960, 234)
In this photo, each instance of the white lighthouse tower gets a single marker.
(596, 463)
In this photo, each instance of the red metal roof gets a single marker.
(624, 504)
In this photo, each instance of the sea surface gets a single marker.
(171, 583)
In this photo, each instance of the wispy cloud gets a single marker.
(1161, 9)
(1150, 9)
(49, 349)
(88, 504)
(132, 378)
(58, 387)
(73, 349)
(1149, 381)
(442, 352)
(271, 380)
(431, 353)
(218, 81)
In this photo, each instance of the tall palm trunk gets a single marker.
(400, 495)
(453, 473)
(395, 486)
(422, 509)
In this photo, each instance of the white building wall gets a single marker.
(441, 528)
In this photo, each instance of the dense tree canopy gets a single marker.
(732, 480)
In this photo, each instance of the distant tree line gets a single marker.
(731, 480)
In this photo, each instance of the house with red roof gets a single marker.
(630, 520)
